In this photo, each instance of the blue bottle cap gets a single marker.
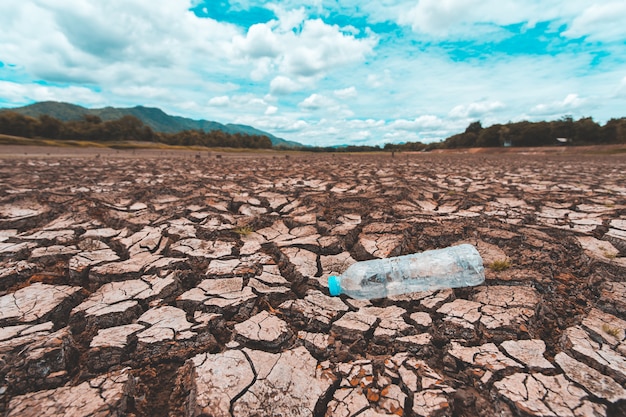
(334, 285)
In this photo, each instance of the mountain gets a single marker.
(157, 119)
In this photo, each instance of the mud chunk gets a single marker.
(166, 323)
(379, 245)
(45, 363)
(598, 249)
(106, 395)
(547, 396)
(606, 328)
(36, 303)
(316, 342)
(504, 308)
(215, 294)
(421, 319)
(13, 337)
(55, 236)
(430, 402)
(111, 346)
(347, 402)
(93, 254)
(465, 310)
(147, 239)
(391, 323)
(263, 329)
(55, 252)
(12, 249)
(598, 355)
(613, 297)
(432, 300)
(336, 264)
(203, 248)
(597, 384)
(528, 352)
(288, 383)
(141, 263)
(316, 308)
(354, 325)
(487, 356)
(303, 260)
(217, 379)
(427, 387)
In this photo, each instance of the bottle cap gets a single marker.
(334, 285)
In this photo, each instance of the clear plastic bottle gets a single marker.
(452, 267)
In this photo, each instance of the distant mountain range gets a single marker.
(157, 119)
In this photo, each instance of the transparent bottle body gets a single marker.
(452, 267)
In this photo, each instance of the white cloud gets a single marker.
(271, 110)
(221, 101)
(621, 89)
(316, 101)
(474, 110)
(21, 94)
(600, 22)
(300, 47)
(474, 19)
(425, 122)
(569, 103)
(284, 85)
(126, 52)
(380, 79)
(260, 41)
(346, 93)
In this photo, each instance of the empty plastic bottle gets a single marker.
(452, 267)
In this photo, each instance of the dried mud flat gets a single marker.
(192, 285)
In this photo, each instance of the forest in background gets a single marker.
(127, 128)
(564, 131)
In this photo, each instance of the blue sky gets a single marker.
(323, 72)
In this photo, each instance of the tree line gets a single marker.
(565, 131)
(127, 128)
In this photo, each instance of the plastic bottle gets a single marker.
(452, 267)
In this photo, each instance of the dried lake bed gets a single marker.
(153, 283)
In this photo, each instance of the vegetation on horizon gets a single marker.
(130, 128)
(564, 131)
(127, 128)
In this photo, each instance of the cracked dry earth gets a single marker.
(195, 285)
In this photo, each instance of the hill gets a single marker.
(155, 118)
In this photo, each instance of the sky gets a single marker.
(323, 72)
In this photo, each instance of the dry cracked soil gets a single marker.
(195, 284)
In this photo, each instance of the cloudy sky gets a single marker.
(323, 72)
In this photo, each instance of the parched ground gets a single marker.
(194, 284)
